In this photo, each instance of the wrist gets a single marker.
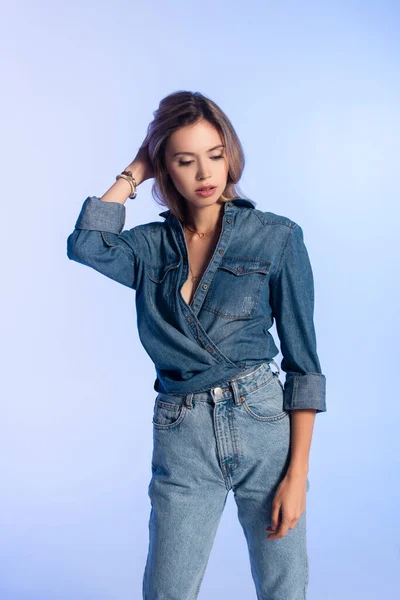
(137, 172)
(298, 469)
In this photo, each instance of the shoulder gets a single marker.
(269, 218)
(148, 232)
(153, 242)
(152, 227)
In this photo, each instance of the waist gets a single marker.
(244, 383)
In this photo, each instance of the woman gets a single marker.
(210, 280)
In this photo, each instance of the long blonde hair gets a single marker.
(178, 110)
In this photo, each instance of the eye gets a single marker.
(182, 164)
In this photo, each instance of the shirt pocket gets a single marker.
(162, 283)
(236, 287)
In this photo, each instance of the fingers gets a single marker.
(276, 516)
(280, 526)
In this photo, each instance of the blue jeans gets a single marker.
(234, 436)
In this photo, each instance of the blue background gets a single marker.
(312, 89)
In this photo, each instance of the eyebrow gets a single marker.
(193, 153)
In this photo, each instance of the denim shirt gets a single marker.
(259, 272)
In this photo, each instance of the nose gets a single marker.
(202, 172)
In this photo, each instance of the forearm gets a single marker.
(301, 425)
(121, 189)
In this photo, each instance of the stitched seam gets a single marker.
(295, 387)
(261, 216)
(124, 250)
(275, 278)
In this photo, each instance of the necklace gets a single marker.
(201, 235)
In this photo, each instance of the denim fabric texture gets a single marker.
(233, 437)
(260, 272)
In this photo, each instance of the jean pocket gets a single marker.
(278, 380)
(266, 402)
(168, 416)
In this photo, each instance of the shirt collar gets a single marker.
(235, 201)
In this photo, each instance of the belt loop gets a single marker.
(277, 366)
(236, 393)
(188, 400)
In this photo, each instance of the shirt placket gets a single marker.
(192, 311)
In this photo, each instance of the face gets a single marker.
(195, 157)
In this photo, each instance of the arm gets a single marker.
(301, 430)
(98, 240)
(292, 303)
(292, 300)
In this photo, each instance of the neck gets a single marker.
(204, 220)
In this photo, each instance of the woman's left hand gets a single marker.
(290, 500)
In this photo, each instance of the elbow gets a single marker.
(74, 247)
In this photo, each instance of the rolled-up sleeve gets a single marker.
(292, 303)
(99, 242)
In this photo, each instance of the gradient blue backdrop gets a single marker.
(312, 89)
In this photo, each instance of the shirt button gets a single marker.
(229, 220)
(229, 203)
(190, 319)
(204, 286)
(221, 251)
(240, 268)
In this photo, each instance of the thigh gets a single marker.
(279, 567)
(188, 495)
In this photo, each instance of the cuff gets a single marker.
(305, 391)
(101, 216)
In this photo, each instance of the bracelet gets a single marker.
(127, 175)
(132, 194)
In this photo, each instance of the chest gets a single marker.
(200, 253)
(226, 276)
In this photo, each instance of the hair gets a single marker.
(178, 110)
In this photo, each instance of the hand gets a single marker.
(290, 500)
(141, 164)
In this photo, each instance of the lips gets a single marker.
(208, 187)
